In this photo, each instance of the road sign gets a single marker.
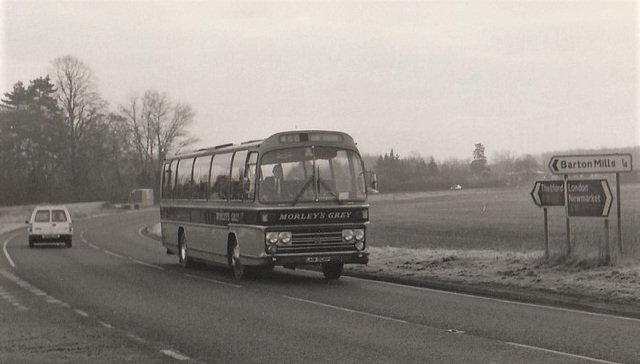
(548, 193)
(596, 163)
(588, 198)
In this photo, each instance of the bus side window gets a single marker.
(220, 169)
(183, 179)
(167, 179)
(237, 175)
(252, 163)
(201, 169)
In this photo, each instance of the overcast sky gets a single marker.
(427, 77)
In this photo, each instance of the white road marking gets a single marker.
(563, 353)
(105, 325)
(15, 302)
(137, 338)
(6, 253)
(81, 313)
(212, 280)
(88, 243)
(146, 237)
(118, 255)
(609, 316)
(112, 253)
(347, 310)
(175, 355)
(146, 264)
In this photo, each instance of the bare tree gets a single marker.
(158, 127)
(79, 100)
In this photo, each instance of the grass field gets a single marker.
(498, 220)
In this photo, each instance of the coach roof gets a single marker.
(279, 141)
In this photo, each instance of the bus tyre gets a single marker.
(68, 243)
(332, 271)
(238, 268)
(185, 261)
(31, 242)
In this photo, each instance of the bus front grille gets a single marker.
(321, 241)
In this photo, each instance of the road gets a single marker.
(116, 297)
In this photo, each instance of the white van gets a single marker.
(50, 224)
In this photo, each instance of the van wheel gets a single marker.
(185, 261)
(332, 271)
(234, 257)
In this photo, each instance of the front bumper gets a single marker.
(319, 258)
(49, 238)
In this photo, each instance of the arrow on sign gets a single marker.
(589, 198)
(548, 193)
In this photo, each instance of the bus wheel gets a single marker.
(185, 261)
(332, 271)
(238, 268)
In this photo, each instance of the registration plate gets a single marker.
(318, 259)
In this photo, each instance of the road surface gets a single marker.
(115, 296)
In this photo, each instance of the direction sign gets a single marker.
(588, 198)
(548, 193)
(596, 163)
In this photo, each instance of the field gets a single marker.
(504, 220)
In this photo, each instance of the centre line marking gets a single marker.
(347, 309)
(212, 280)
(597, 314)
(146, 264)
(563, 354)
(174, 355)
(112, 253)
(81, 313)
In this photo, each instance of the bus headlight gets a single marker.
(347, 235)
(359, 245)
(272, 238)
(272, 249)
(285, 237)
(358, 234)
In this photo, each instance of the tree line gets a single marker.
(415, 173)
(61, 142)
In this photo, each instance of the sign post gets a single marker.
(546, 194)
(589, 164)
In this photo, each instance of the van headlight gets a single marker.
(358, 234)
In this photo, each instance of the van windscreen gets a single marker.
(42, 216)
